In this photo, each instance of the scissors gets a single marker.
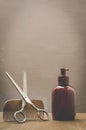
(26, 99)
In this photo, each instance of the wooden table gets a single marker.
(78, 124)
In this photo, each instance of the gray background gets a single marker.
(40, 37)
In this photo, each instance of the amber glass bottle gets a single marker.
(63, 99)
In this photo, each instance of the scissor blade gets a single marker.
(24, 83)
(24, 89)
(15, 84)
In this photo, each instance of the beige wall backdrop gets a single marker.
(40, 37)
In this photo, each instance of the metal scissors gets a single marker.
(25, 99)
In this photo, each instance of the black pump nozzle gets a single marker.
(63, 80)
(63, 71)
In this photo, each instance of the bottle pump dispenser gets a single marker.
(63, 99)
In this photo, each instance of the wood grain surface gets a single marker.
(78, 124)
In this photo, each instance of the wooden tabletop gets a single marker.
(78, 124)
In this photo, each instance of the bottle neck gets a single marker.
(63, 81)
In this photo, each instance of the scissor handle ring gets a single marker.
(42, 116)
(22, 113)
